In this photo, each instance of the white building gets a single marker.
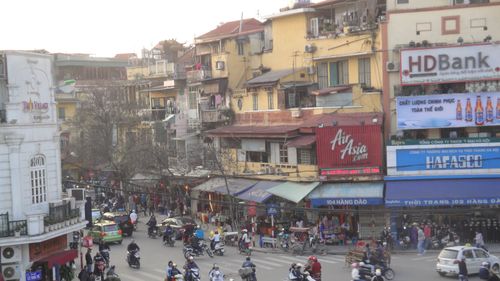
(35, 220)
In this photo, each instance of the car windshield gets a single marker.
(186, 221)
(108, 228)
(448, 254)
(121, 219)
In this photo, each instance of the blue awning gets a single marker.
(348, 194)
(258, 193)
(442, 192)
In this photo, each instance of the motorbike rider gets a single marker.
(245, 239)
(133, 217)
(195, 244)
(99, 265)
(355, 272)
(484, 271)
(104, 250)
(169, 231)
(249, 264)
(215, 274)
(214, 240)
(133, 246)
(151, 224)
(314, 267)
(190, 264)
(295, 272)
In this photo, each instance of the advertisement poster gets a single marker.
(349, 146)
(448, 111)
(458, 158)
(451, 64)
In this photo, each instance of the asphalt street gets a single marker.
(270, 267)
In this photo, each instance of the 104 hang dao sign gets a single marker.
(450, 64)
(448, 111)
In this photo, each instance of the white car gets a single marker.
(474, 257)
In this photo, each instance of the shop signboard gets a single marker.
(48, 247)
(34, 275)
(482, 157)
(349, 150)
(272, 209)
(450, 64)
(448, 111)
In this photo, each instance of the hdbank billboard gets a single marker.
(450, 64)
(448, 110)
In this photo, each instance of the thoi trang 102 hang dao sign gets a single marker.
(450, 64)
(349, 150)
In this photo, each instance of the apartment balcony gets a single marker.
(198, 75)
(158, 114)
(12, 228)
(214, 115)
(272, 171)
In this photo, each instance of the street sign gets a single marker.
(272, 209)
(34, 275)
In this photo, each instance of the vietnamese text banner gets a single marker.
(448, 111)
(433, 159)
(441, 202)
(450, 64)
(318, 202)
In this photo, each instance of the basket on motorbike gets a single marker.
(245, 272)
(230, 238)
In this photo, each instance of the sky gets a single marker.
(104, 28)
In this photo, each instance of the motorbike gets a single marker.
(216, 275)
(405, 242)
(244, 249)
(168, 240)
(219, 248)
(193, 274)
(105, 255)
(305, 277)
(247, 273)
(366, 272)
(190, 251)
(134, 259)
(284, 240)
(111, 275)
(99, 269)
(153, 232)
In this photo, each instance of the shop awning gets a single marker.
(353, 194)
(302, 141)
(331, 90)
(60, 258)
(293, 191)
(258, 193)
(445, 192)
(217, 185)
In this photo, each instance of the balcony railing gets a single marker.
(9, 228)
(213, 115)
(198, 75)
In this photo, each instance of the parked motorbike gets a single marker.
(134, 259)
(190, 251)
(219, 248)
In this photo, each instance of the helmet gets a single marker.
(170, 263)
(190, 258)
(313, 258)
(132, 241)
(244, 230)
(133, 211)
(378, 272)
(298, 265)
(216, 266)
(293, 265)
(486, 264)
(248, 258)
(174, 265)
(361, 263)
(354, 265)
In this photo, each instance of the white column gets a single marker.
(14, 144)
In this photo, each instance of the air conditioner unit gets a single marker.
(391, 66)
(77, 193)
(311, 70)
(11, 254)
(296, 113)
(219, 65)
(309, 48)
(11, 272)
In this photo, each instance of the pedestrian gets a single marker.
(421, 241)
(427, 233)
(479, 241)
(462, 269)
(89, 260)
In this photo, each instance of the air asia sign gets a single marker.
(452, 64)
(349, 147)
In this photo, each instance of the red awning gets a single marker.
(332, 90)
(60, 258)
(302, 141)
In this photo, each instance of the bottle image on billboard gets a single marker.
(498, 108)
(459, 110)
(489, 111)
(479, 112)
(468, 111)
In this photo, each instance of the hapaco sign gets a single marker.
(450, 64)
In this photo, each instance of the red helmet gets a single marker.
(313, 258)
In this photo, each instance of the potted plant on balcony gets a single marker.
(17, 230)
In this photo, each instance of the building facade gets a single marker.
(36, 218)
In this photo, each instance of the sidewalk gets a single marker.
(342, 250)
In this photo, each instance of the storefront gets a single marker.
(51, 259)
(350, 199)
(453, 185)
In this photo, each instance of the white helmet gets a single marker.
(378, 272)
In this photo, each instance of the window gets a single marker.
(38, 179)
(323, 75)
(193, 98)
(450, 25)
(291, 100)
(403, 1)
(339, 73)
(364, 71)
(241, 49)
(255, 101)
(306, 156)
(270, 97)
(61, 113)
(256, 156)
(468, 254)
(283, 153)
(480, 254)
(156, 103)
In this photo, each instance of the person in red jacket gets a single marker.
(314, 268)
